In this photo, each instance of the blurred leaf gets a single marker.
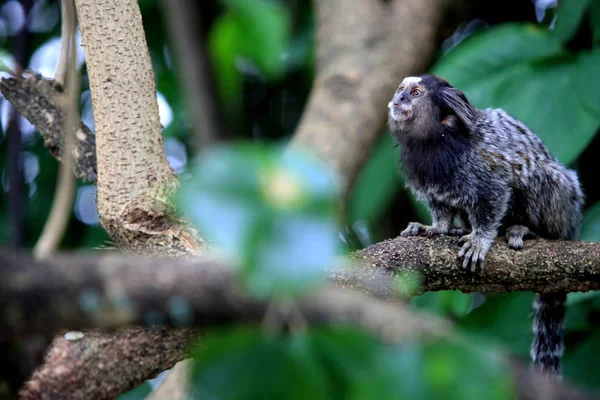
(257, 31)
(223, 47)
(7, 61)
(271, 210)
(568, 18)
(590, 231)
(446, 302)
(139, 393)
(595, 20)
(576, 362)
(576, 298)
(380, 179)
(587, 81)
(520, 68)
(242, 363)
(378, 182)
(339, 363)
(504, 318)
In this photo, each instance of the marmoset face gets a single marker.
(405, 102)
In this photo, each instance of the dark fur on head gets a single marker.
(426, 107)
(490, 170)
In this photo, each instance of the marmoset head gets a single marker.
(426, 106)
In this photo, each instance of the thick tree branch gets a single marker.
(108, 291)
(135, 180)
(542, 266)
(364, 48)
(43, 102)
(90, 367)
(99, 291)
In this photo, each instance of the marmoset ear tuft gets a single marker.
(456, 101)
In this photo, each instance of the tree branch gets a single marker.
(91, 367)
(542, 266)
(364, 49)
(135, 180)
(57, 221)
(109, 291)
(43, 102)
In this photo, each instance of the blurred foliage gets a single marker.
(261, 54)
(272, 211)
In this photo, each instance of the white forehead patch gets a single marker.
(412, 79)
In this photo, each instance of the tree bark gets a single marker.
(364, 49)
(134, 177)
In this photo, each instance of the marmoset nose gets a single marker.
(402, 97)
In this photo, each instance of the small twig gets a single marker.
(57, 222)
(66, 35)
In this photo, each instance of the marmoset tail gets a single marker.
(490, 171)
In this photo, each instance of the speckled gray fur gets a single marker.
(489, 170)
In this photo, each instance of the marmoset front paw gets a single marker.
(417, 229)
(474, 249)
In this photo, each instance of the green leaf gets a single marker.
(568, 18)
(522, 69)
(242, 363)
(342, 363)
(505, 319)
(139, 393)
(252, 31)
(223, 48)
(378, 182)
(380, 179)
(587, 85)
(446, 302)
(595, 20)
(590, 231)
(7, 62)
(576, 362)
(271, 210)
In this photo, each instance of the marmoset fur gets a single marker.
(490, 171)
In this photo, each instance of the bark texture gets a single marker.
(99, 291)
(135, 180)
(364, 49)
(90, 367)
(43, 102)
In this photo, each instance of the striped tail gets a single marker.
(547, 348)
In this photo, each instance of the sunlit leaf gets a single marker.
(255, 31)
(271, 210)
(521, 68)
(568, 18)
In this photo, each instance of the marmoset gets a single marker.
(490, 171)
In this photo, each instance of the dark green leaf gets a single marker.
(520, 68)
(447, 302)
(271, 210)
(568, 18)
(587, 84)
(577, 360)
(504, 318)
(139, 393)
(590, 231)
(380, 179)
(242, 363)
(595, 20)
